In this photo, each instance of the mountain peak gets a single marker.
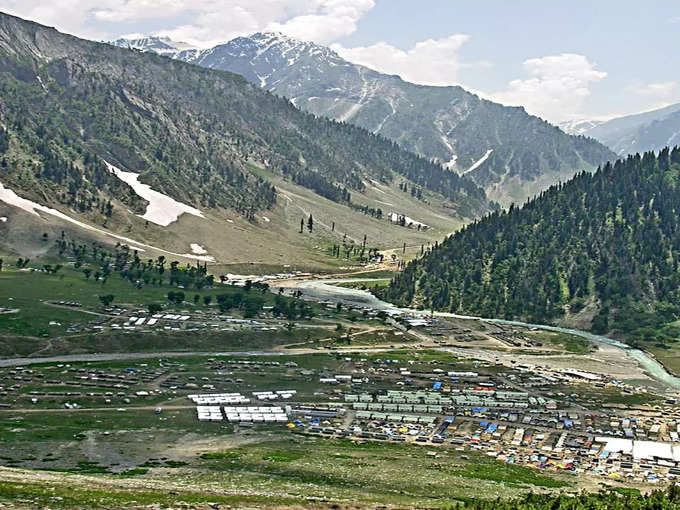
(578, 126)
(162, 45)
(274, 35)
(284, 44)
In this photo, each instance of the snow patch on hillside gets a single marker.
(42, 84)
(161, 45)
(11, 198)
(578, 127)
(198, 249)
(162, 210)
(3, 219)
(477, 163)
(376, 186)
(351, 112)
(389, 101)
(451, 164)
(368, 91)
(408, 222)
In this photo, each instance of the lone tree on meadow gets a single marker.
(106, 299)
(154, 308)
(176, 297)
(310, 223)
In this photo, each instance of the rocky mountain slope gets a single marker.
(511, 154)
(205, 140)
(637, 133)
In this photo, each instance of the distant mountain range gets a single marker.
(633, 133)
(511, 154)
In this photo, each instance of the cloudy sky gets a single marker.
(562, 60)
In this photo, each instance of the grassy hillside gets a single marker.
(250, 245)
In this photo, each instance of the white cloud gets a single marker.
(556, 89)
(655, 95)
(330, 20)
(203, 22)
(429, 62)
(676, 19)
(67, 16)
(660, 90)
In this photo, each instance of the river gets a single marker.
(323, 290)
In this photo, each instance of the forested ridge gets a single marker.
(623, 499)
(192, 133)
(607, 242)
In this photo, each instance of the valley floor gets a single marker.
(96, 409)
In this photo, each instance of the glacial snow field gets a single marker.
(162, 209)
(11, 198)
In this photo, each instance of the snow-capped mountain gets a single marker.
(579, 127)
(268, 59)
(512, 154)
(641, 132)
(161, 45)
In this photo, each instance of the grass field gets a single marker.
(668, 357)
(377, 274)
(375, 471)
(162, 341)
(569, 343)
(355, 338)
(92, 493)
(367, 285)
(33, 293)
(279, 467)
